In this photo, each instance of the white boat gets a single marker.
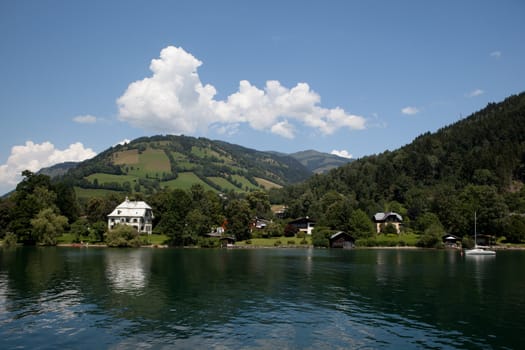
(478, 250)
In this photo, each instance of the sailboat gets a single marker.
(477, 250)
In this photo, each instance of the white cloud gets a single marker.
(475, 93)
(123, 142)
(85, 119)
(284, 129)
(409, 110)
(496, 54)
(174, 100)
(342, 153)
(33, 157)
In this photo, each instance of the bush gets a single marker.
(10, 240)
(467, 242)
(432, 237)
(290, 230)
(301, 234)
(274, 230)
(320, 237)
(208, 242)
(277, 243)
(123, 236)
(291, 242)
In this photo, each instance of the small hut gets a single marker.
(341, 240)
(451, 241)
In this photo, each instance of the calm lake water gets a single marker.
(260, 298)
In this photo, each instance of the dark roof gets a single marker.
(341, 234)
(380, 217)
(301, 221)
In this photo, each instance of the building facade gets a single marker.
(137, 214)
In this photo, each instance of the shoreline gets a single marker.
(247, 246)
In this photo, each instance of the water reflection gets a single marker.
(259, 299)
(126, 270)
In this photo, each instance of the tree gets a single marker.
(426, 220)
(47, 226)
(79, 229)
(66, 201)
(432, 237)
(32, 195)
(97, 230)
(172, 207)
(197, 224)
(360, 225)
(259, 204)
(514, 228)
(238, 215)
(320, 236)
(337, 215)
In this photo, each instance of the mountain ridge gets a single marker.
(151, 163)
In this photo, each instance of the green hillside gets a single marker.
(148, 164)
(476, 164)
(319, 162)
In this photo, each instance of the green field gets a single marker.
(224, 184)
(184, 181)
(267, 184)
(108, 178)
(86, 193)
(152, 163)
(245, 183)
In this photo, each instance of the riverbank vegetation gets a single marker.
(435, 184)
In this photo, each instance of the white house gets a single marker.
(383, 219)
(303, 225)
(133, 213)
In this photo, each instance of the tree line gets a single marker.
(436, 182)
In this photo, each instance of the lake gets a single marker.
(260, 299)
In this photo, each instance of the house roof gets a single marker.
(301, 221)
(340, 233)
(130, 208)
(384, 216)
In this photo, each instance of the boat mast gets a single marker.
(475, 231)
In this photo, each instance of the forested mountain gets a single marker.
(148, 164)
(319, 162)
(476, 164)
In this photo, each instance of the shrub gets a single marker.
(290, 230)
(10, 240)
(320, 236)
(277, 243)
(123, 236)
(467, 242)
(208, 242)
(291, 242)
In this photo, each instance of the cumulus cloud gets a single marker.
(475, 93)
(85, 119)
(33, 156)
(174, 100)
(409, 110)
(495, 54)
(342, 153)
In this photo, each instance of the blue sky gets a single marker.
(357, 77)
